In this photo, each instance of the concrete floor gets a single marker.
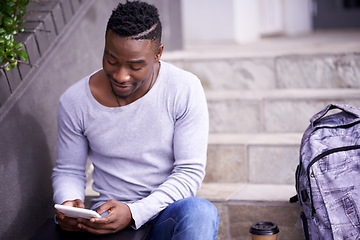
(331, 41)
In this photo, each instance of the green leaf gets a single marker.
(21, 11)
(22, 54)
(8, 22)
(19, 21)
(1, 16)
(8, 7)
(14, 64)
(9, 36)
(24, 2)
(10, 57)
(11, 12)
(2, 31)
(9, 44)
(18, 46)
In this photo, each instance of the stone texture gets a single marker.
(263, 192)
(271, 111)
(75, 5)
(260, 139)
(241, 205)
(283, 72)
(66, 10)
(226, 163)
(286, 216)
(5, 91)
(40, 17)
(30, 44)
(24, 68)
(294, 115)
(41, 35)
(52, 8)
(254, 158)
(41, 13)
(256, 73)
(318, 71)
(224, 224)
(229, 116)
(14, 78)
(59, 21)
(273, 164)
(220, 191)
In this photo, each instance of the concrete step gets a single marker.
(253, 158)
(240, 205)
(321, 59)
(335, 70)
(271, 111)
(245, 158)
(332, 41)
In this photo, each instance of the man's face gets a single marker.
(129, 65)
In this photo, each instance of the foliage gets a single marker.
(11, 13)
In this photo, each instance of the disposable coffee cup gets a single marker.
(264, 231)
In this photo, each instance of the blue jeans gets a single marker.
(191, 218)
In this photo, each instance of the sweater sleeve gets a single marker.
(68, 176)
(190, 148)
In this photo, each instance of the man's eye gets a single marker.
(111, 63)
(135, 68)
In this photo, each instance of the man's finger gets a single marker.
(97, 231)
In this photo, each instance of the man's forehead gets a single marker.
(115, 43)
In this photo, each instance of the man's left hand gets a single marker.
(118, 218)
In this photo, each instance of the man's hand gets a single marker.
(66, 223)
(118, 218)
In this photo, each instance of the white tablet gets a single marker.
(74, 212)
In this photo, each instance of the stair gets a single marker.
(252, 158)
(265, 109)
(260, 99)
(259, 107)
(250, 178)
(240, 205)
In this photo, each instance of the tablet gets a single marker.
(74, 212)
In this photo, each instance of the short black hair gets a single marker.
(136, 20)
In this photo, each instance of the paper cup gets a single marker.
(264, 231)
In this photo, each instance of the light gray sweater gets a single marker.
(147, 154)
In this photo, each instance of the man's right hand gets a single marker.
(66, 223)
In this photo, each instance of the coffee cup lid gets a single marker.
(264, 228)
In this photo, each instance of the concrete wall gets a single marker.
(242, 21)
(336, 14)
(28, 126)
(207, 20)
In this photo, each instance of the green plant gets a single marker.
(11, 12)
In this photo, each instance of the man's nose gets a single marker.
(122, 75)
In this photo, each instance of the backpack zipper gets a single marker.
(320, 156)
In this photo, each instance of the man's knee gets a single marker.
(199, 208)
(191, 218)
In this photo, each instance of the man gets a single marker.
(144, 125)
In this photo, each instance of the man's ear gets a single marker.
(159, 52)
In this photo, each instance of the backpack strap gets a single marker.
(346, 108)
(294, 199)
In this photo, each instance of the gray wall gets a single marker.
(28, 119)
(336, 14)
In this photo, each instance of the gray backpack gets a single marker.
(328, 175)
